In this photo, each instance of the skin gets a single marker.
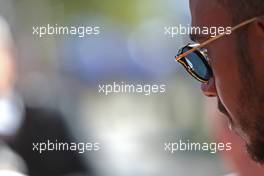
(6, 71)
(236, 160)
(239, 97)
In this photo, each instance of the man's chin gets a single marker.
(254, 146)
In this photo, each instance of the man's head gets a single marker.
(237, 62)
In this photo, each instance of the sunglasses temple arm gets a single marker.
(213, 39)
(198, 47)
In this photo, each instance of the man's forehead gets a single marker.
(208, 13)
(203, 4)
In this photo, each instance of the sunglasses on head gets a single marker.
(194, 58)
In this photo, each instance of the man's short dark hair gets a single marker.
(244, 9)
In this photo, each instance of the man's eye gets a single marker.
(206, 54)
(204, 51)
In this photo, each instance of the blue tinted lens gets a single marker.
(197, 65)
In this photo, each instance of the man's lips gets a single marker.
(224, 111)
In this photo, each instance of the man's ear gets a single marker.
(256, 46)
(256, 35)
(260, 23)
(260, 26)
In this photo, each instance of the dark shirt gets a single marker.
(41, 125)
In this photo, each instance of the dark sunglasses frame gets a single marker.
(201, 55)
(197, 50)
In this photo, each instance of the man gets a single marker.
(234, 70)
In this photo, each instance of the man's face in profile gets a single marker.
(237, 62)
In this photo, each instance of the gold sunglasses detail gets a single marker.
(178, 58)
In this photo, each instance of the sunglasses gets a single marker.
(194, 58)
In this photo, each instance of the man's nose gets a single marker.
(209, 88)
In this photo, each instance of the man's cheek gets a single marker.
(228, 94)
(226, 76)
